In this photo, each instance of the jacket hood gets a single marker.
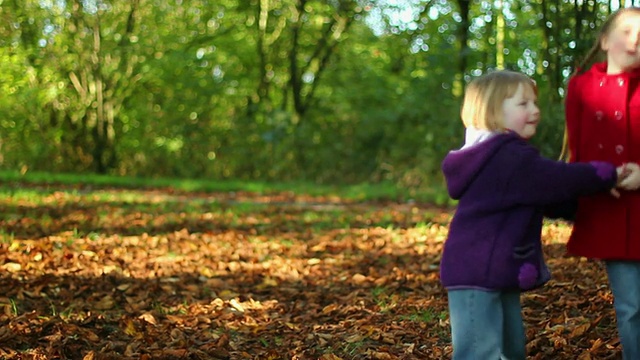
(461, 167)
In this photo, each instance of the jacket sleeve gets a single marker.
(535, 180)
(572, 110)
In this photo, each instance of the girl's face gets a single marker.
(622, 44)
(520, 112)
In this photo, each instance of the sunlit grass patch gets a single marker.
(5, 237)
(428, 315)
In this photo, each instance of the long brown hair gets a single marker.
(593, 55)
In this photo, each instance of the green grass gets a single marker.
(425, 315)
(6, 238)
(360, 192)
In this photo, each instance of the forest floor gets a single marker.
(99, 273)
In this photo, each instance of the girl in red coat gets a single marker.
(603, 124)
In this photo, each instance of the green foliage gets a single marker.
(316, 92)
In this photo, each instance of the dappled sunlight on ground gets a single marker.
(128, 275)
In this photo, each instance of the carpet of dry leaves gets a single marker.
(158, 274)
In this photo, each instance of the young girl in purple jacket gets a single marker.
(503, 186)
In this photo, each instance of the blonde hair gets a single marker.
(484, 96)
(594, 55)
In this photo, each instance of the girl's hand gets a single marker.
(628, 176)
(615, 193)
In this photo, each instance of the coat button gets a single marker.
(602, 83)
(599, 115)
(620, 81)
(619, 149)
(600, 147)
(618, 115)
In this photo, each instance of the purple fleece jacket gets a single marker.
(503, 186)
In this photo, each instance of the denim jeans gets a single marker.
(624, 280)
(486, 325)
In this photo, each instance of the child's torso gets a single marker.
(610, 118)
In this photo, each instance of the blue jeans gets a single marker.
(624, 280)
(486, 325)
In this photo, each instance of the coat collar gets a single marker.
(600, 69)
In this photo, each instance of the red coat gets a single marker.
(603, 123)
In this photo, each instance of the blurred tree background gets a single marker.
(328, 91)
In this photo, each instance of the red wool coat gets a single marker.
(603, 123)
